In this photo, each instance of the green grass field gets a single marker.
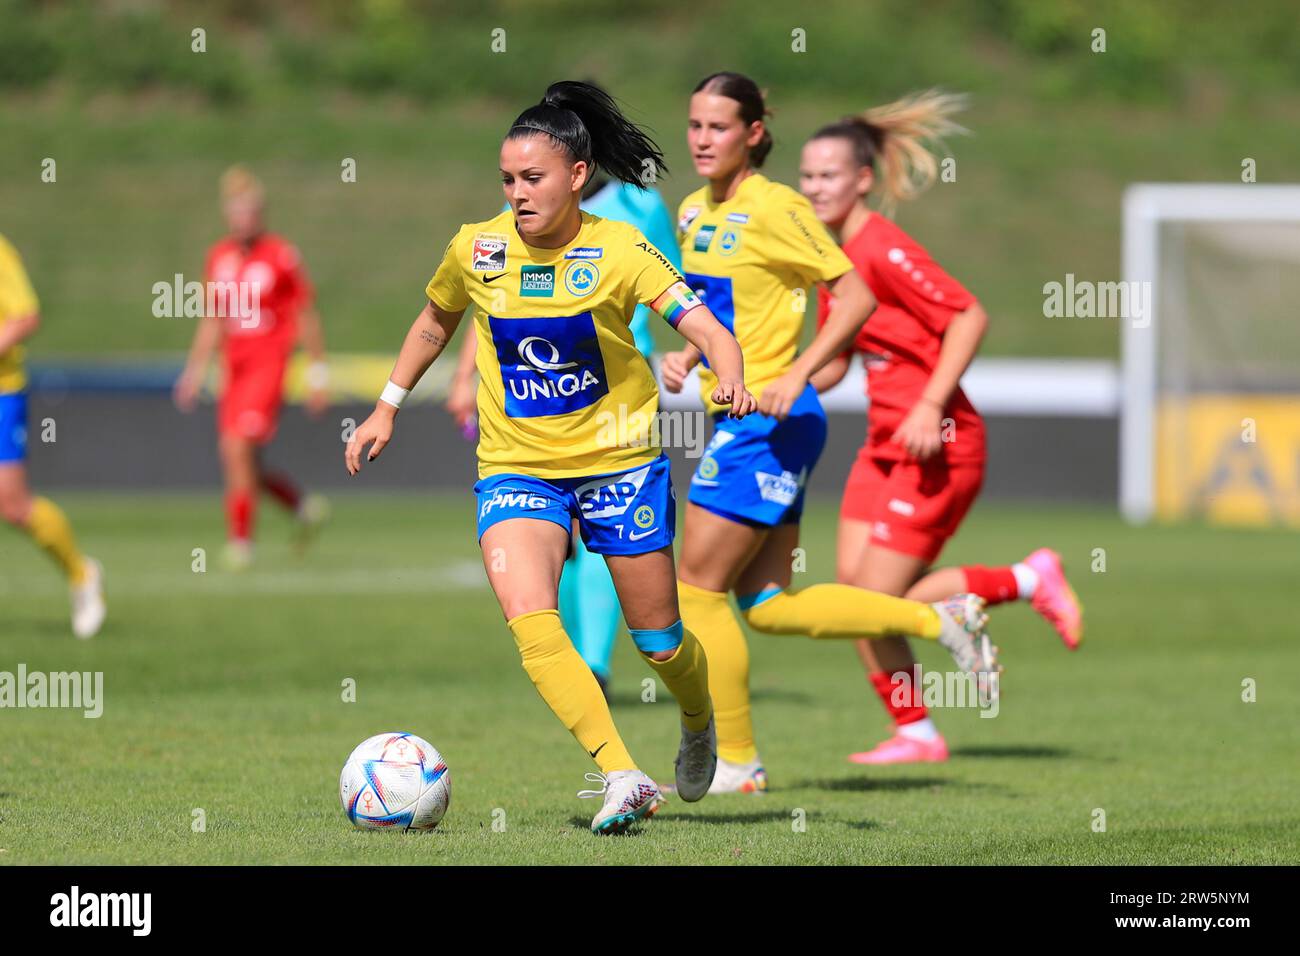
(223, 692)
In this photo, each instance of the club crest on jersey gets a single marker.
(607, 498)
(581, 277)
(585, 252)
(549, 366)
(687, 217)
(728, 242)
(704, 237)
(782, 488)
(489, 253)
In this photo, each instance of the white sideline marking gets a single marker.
(461, 576)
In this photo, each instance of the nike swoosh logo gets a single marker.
(487, 279)
(597, 750)
(633, 536)
(689, 714)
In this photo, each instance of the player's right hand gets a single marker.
(378, 428)
(185, 392)
(462, 401)
(673, 368)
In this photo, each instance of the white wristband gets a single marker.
(394, 394)
(318, 375)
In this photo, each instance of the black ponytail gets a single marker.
(585, 122)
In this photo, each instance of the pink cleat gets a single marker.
(900, 749)
(1054, 599)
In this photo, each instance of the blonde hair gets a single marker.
(238, 182)
(901, 136)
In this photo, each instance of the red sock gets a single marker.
(995, 585)
(282, 488)
(239, 515)
(902, 700)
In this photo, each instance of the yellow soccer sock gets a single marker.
(49, 528)
(686, 675)
(840, 611)
(569, 688)
(708, 615)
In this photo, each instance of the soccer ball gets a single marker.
(395, 782)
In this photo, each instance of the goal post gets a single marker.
(1210, 411)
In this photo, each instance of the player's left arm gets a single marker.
(853, 305)
(18, 330)
(921, 431)
(710, 338)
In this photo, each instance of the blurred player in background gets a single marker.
(588, 602)
(555, 290)
(39, 518)
(922, 462)
(751, 249)
(254, 266)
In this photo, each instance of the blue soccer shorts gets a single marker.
(624, 512)
(755, 468)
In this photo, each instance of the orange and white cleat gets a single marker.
(1054, 599)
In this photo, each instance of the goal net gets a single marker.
(1210, 415)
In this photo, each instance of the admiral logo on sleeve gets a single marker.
(489, 252)
(549, 366)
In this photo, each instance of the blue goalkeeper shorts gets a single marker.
(13, 427)
(624, 512)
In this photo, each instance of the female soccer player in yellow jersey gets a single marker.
(565, 405)
(751, 248)
(37, 517)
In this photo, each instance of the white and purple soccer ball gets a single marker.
(395, 782)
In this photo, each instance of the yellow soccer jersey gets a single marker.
(563, 391)
(752, 259)
(16, 301)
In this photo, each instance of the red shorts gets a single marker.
(250, 401)
(913, 507)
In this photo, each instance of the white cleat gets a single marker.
(739, 777)
(629, 796)
(313, 512)
(697, 761)
(88, 607)
(238, 555)
(964, 620)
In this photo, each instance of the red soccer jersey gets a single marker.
(900, 342)
(271, 287)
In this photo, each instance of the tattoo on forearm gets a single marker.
(432, 338)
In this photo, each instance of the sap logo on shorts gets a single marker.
(514, 500)
(900, 507)
(604, 498)
(704, 237)
(489, 253)
(581, 277)
(781, 489)
(549, 366)
(719, 439)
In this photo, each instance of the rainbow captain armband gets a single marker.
(681, 299)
